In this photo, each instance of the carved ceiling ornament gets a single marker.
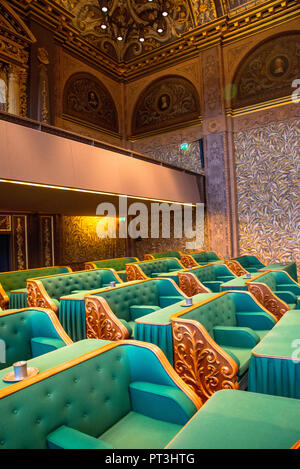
(268, 71)
(15, 37)
(130, 15)
(87, 100)
(167, 101)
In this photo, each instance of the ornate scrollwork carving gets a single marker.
(266, 297)
(188, 261)
(4, 300)
(134, 272)
(199, 361)
(89, 266)
(37, 296)
(235, 267)
(148, 257)
(101, 323)
(190, 285)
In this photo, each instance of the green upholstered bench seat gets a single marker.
(160, 255)
(212, 276)
(205, 257)
(16, 281)
(231, 322)
(118, 264)
(281, 285)
(241, 420)
(119, 395)
(157, 329)
(154, 268)
(130, 301)
(28, 333)
(54, 287)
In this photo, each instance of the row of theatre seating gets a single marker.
(152, 354)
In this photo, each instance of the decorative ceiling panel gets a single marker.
(130, 16)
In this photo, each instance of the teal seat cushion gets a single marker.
(161, 402)
(41, 345)
(292, 305)
(138, 431)
(69, 438)
(128, 326)
(241, 356)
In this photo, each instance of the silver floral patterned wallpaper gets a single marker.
(268, 177)
(171, 153)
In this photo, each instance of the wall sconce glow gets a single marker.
(184, 146)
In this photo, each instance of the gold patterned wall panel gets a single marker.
(81, 243)
(268, 168)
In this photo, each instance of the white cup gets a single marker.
(189, 301)
(112, 284)
(20, 369)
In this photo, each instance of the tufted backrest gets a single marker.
(117, 264)
(220, 311)
(60, 285)
(268, 279)
(206, 273)
(159, 255)
(89, 397)
(17, 330)
(206, 256)
(159, 266)
(16, 280)
(120, 299)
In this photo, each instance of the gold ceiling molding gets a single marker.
(243, 19)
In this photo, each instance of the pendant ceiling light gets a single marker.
(122, 18)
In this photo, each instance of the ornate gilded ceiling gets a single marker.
(131, 15)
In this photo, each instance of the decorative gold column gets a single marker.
(13, 90)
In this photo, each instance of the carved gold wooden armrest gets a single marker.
(235, 267)
(190, 285)
(188, 261)
(199, 361)
(101, 322)
(149, 257)
(134, 272)
(90, 266)
(4, 300)
(38, 297)
(267, 298)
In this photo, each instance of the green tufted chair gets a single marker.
(204, 279)
(165, 267)
(120, 395)
(196, 259)
(46, 291)
(28, 333)
(276, 291)
(212, 341)
(118, 264)
(13, 292)
(111, 313)
(161, 255)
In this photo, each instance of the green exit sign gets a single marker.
(184, 146)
